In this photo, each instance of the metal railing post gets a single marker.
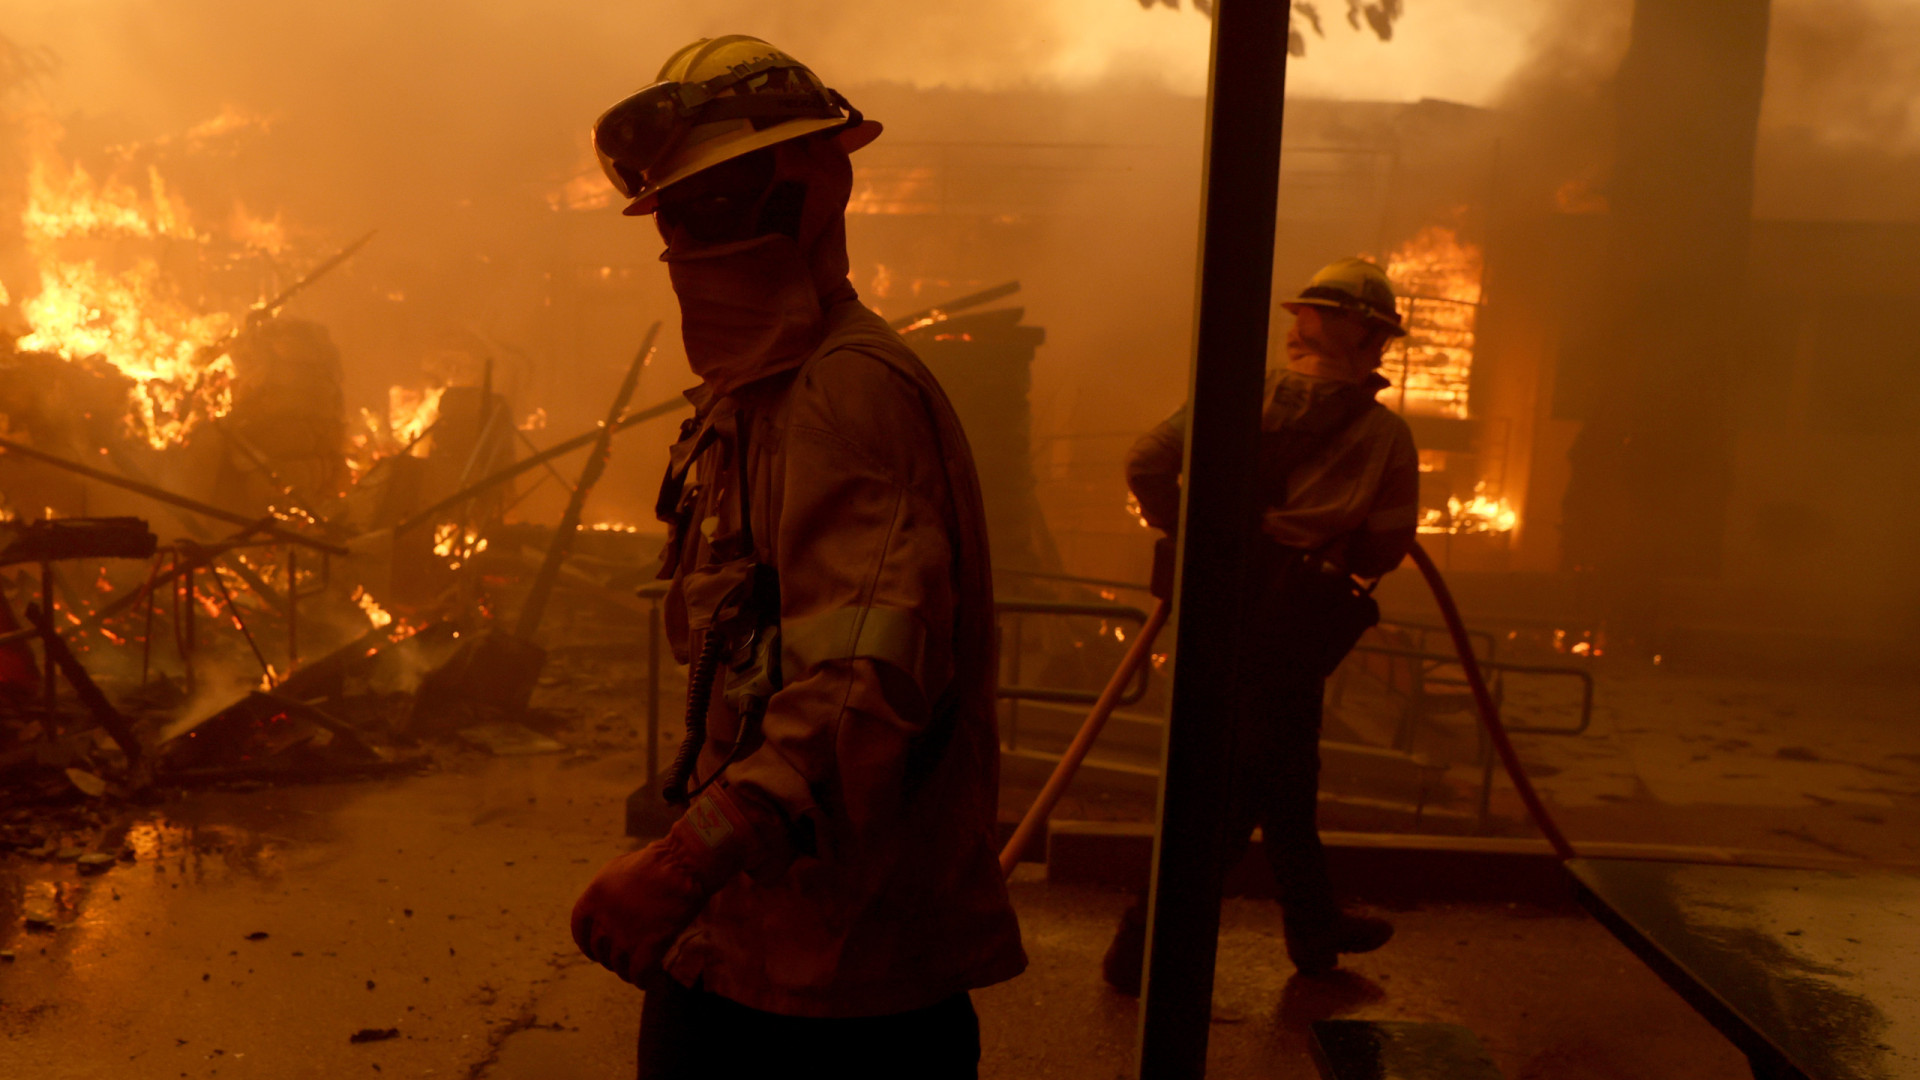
(187, 629)
(46, 646)
(654, 630)
(293, 607)
(1013, 678)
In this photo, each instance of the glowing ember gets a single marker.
(450, 544)
(1438, 278)
(376, 615)
(1588, 643)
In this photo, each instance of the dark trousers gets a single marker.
(1275, 782)
(694, 1035)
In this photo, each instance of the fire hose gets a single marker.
(1063, 773)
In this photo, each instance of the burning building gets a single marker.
(353, 479)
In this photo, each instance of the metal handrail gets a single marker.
(1096, 609)
(1072, 579)
(1503, 667)
(1423, 629)
(1104, 609)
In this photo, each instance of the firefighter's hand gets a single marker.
(1161, 583)
(640, 903)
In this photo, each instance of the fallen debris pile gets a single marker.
(200, 668)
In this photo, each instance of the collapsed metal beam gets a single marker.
(942, 312)
(525, 464)
(536, 602)
(266, 310)
(201, 555)
(159, 494)
(1219, 527)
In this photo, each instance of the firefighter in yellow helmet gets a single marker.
(831, 893)
(1340, 480)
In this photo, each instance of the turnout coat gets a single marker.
(874, 766)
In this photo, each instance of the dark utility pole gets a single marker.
(1218, 529)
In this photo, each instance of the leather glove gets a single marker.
(640, 903)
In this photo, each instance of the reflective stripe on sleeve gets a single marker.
(894, 635)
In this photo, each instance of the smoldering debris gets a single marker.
(304, 598)
(174, 702)
(235, 660)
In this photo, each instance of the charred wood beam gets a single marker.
(942, 312)
(96, 702)
(326, 676)
(527, 441)
(159, 494)
(80, 538)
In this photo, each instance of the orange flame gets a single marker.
(1438, 279)
(1480, 514)
(126, 312)
(411, 412)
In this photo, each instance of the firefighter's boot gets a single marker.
(1314, 943)
(1127, 955)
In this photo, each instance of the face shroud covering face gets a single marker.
(755, 283)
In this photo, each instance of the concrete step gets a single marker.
(1351, 769)
(1395, 868)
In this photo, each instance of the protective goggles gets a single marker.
(634, 137)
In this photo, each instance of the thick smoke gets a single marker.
(1847, 72)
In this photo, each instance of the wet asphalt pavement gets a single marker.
(256, 933)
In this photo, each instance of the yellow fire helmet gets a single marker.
(1354, 285)
(715, 100)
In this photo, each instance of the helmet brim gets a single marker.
(718, 151)
(1321, 302)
